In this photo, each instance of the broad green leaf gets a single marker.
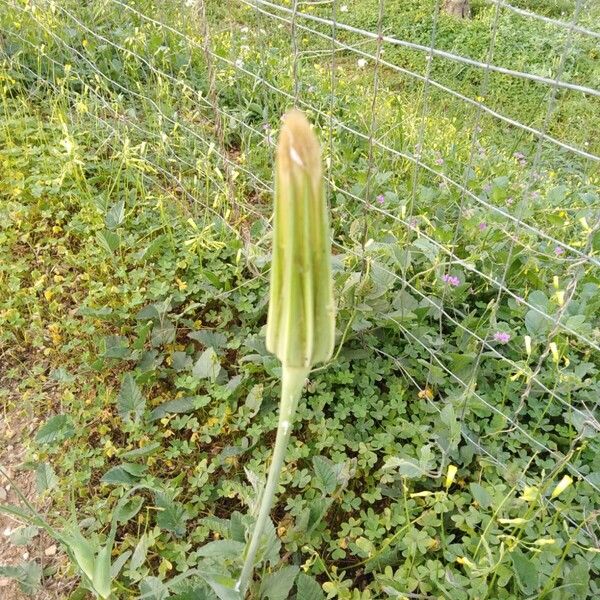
(407, 467)
(208, 338)
(277, 585)
(45, 477)
(180, 405)
(116, 215)
(118, 563)
(102, 580)
(28, 575)
(172, 515)
(130, 402)
(119, 475)
(152, 588)
(139, 554)
(163, 333)
(108, 240)
(22, 536)
(254, 399)
(222, 548)
(578, 580)
(55, 428)
(325, 473)
(129, 509)
(526, 572)
(537, 324)
(143, 451)
(115, 346)
(481, 495)
(207, 366)
(308, 588)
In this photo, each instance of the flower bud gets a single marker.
(301, 319)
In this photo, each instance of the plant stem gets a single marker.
(292, 380)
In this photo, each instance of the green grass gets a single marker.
(129, 246)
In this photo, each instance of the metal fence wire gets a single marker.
(409, 180)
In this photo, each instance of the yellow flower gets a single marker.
(450, 475)
(562, 485)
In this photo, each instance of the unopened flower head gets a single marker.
(301, 320)
(381, 198)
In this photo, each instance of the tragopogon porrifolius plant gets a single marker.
(301, 319)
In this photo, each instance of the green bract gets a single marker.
(301, 322)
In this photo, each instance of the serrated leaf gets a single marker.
(325, 473)
(28, 575)
(22, 536)
(152, 588)
(115, 346)
(57, 427)
(130, 402)
(172, 515)
(277, 585)
(308, 588)
(45, 477)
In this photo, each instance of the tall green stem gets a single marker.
(292, 380)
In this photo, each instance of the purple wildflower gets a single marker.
(439, 161)
(381, 198)
(482, 226)
(451, 280)
(266, 126)
(558, 250)
(509, 201)
(502, 337)
(519, 155)
(487, 188)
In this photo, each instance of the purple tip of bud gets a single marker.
(502, 337)
(381, 198)
(558, 251)
(439, 161)
(519, 155)
(266, 126)
(482, 226)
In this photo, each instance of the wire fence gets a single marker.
(206, 93)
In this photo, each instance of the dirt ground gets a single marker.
(14, 430)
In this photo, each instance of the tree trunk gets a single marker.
(457, 8)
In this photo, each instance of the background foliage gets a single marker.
(133, 299)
